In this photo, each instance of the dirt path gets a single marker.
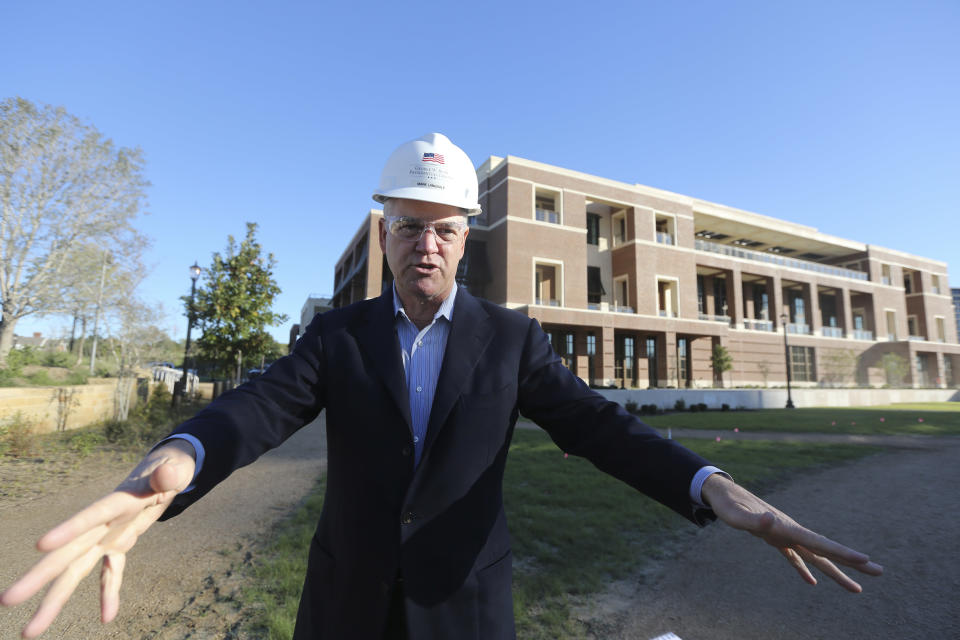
(179, 572)
(722, 585)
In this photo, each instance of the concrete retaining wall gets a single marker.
(75, 405)
(777, 398)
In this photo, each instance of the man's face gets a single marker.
(424, 269)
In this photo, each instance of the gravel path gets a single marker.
(179, 571)
(721, 584)
(900, 507)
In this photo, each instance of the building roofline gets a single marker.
(494, 163)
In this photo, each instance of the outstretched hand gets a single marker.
(106, 529)
(743, 510)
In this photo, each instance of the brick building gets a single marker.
(636, 286)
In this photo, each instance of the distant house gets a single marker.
(39, 341)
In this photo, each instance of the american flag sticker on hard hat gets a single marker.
(433, 157)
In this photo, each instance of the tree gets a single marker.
(722, 361)
(62, 185)
(233, 306)
(839, 367)
(895, 367)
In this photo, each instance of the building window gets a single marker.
(891, 325)
(801, 364)
(595, 290)
(761, 304)
(941, 330)
(621, 295)
(619, 222)
(591, 354)
(885, 274)
(546, 285)
(667, 299)
(719, 296)
(652, 362)
(683, 362)
(935, 283)
(593, 229)
(665, 232)
(923, 376)
(701, 296)
(545, 206)
(799, 313)
(912, 329)
(908, 281)
(624, 360)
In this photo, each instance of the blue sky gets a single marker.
(840, 115)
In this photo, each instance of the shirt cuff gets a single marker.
(198, 448)
(697, 484)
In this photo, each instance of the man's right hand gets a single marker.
(106, 529)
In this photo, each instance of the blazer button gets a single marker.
(408, 517)
(407, 451)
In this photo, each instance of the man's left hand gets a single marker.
(743, 510)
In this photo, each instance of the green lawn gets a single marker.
(934, 418)
(574, 529)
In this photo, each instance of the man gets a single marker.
(422, 388)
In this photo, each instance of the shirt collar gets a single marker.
(445, 310)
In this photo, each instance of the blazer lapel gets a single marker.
(470, 333)
(377, 337)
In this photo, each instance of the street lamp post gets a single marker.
(786, 353)
(180, 389)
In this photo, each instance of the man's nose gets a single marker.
(427, 242)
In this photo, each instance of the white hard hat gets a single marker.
(433, 169)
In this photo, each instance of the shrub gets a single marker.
(17, 359)
(631, 407)
(84, 442)
(76, 377)
(56, 359)
(679, 405)
(41, 378)
(648, 409)
(702, 406)
(19, 436)
(724, 407)
(7, 378)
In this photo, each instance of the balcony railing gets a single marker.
(545, 215)
(757, 325)
(862, 334)
(710, 318)
(917, 339)
(664, 237)
(667, 314)
(798, 328)
(772, 258)
(621, 309)
(547, 303)
(593, 306)
(831, 332)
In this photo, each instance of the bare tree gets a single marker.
(62, 185)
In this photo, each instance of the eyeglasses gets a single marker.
(412, 229)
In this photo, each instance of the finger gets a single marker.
(111, 575)
(107, 509)
(164, 478)
(50, 566)
(830, 570)
(60, 591)
(797, 563)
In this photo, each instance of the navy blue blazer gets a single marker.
(439, 526)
